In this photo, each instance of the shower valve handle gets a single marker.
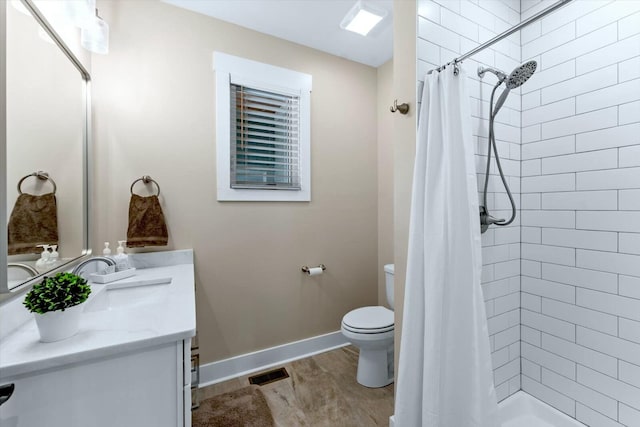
(6, 390)
(486, 220)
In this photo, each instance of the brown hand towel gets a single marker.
(146, 223)
(33, 221)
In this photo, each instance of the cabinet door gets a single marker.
(136, 389)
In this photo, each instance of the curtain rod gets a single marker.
(507, 33)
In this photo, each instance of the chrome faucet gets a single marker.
(25, 267)
(79, 267)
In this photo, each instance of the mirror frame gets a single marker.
(5, 292)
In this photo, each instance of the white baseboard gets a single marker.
(392, 421)
(215, 372)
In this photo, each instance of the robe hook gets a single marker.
(403, 108)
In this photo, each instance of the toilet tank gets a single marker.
(388, 276)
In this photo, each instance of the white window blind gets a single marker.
(265, 139)
(263, 131)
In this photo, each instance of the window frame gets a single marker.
(232, 69)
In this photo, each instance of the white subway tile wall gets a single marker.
(581, 225)
(447, 28)
(569, 313)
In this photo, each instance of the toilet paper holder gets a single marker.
(306, 269)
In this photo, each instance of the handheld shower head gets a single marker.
(516, 79)
(521, 74)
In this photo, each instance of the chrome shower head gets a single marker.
(516, 79)
(521, 74)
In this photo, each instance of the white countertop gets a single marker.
(153, 315)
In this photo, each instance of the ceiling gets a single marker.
(313, 23)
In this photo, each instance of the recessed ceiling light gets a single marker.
(361, 18)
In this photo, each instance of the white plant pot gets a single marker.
(58, 325)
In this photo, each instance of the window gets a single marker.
(264, 139)
(262, 131)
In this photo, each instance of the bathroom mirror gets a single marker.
(47, 128)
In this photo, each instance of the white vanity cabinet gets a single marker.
(149, 387)
(128, 366)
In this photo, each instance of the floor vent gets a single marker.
(269, 376)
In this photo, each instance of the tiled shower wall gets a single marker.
(579, 245)
(581, 211)
(447, 28)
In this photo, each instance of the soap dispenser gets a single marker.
(121, 258)
(54, 257)
(106, 251)
(42, 264)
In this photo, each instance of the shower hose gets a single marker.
(492, 143)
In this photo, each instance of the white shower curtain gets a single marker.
(445, 376)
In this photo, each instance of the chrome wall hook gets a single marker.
(403, 108)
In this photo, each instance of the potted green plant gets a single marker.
(56, 303)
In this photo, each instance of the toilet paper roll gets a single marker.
(315, 271)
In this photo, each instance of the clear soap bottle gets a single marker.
(121, 258)
(42, 265)
(54, 257)
(106, 251)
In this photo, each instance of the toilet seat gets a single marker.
(366, 331)
(369, 320)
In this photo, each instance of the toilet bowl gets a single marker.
(371, 329)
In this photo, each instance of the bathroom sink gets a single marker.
(128, 295)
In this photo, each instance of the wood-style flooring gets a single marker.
(321, 391)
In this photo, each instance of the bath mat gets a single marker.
(245, 407)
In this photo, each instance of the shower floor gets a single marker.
(524, 410)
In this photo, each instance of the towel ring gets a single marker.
(147, 180)
(44, 176)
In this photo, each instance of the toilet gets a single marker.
(371, 330)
